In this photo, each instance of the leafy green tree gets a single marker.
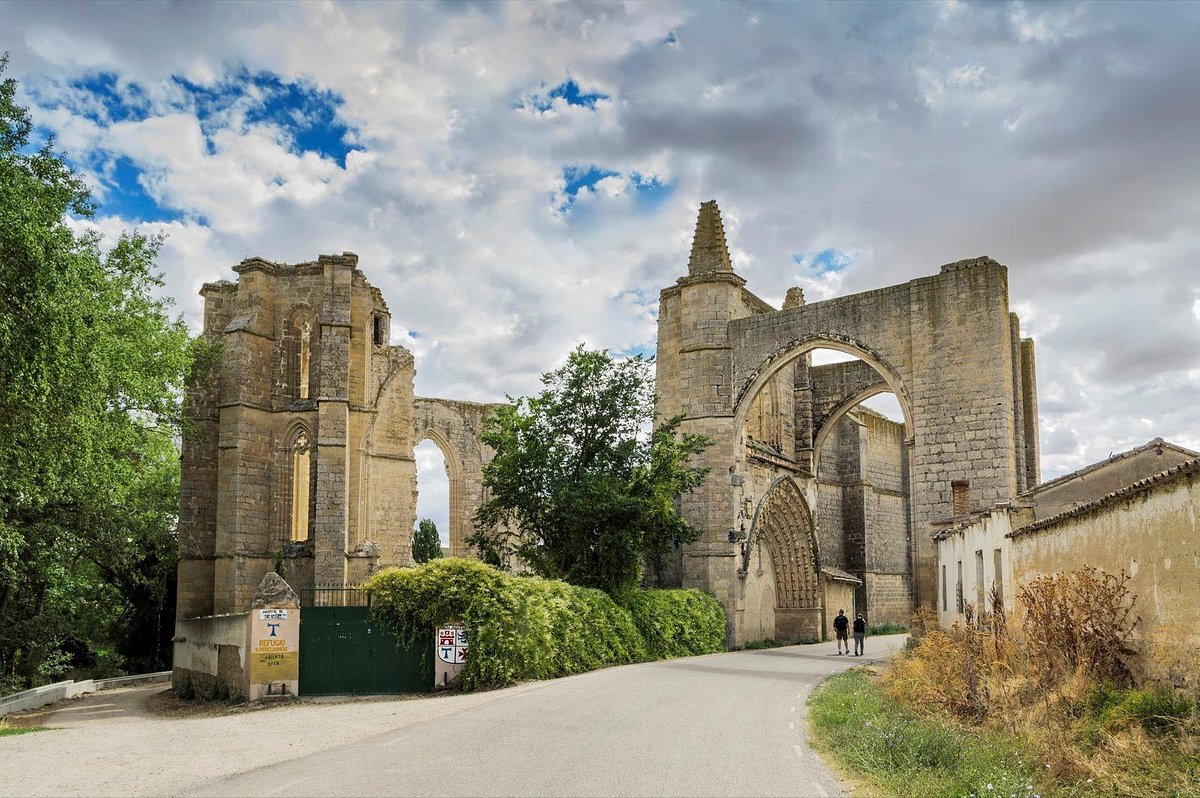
(581, 487)
(426, 544)
(92, 373)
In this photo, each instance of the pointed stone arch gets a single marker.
(783, 524)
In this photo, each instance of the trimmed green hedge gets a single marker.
(677, 623)
(522, 627)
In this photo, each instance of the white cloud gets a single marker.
(1057, 139)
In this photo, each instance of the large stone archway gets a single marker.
(946, 345)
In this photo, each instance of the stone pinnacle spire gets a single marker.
(709, 250)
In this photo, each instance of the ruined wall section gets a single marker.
(888, 554)
(198, 462)
(456, 427)
(836, 384)
(237, 494)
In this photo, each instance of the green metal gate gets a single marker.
(344, 652)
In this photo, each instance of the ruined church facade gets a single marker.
(813, 503)
(299, 453)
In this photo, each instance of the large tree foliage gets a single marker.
(581, 488)
(91, 377)
(426, 544)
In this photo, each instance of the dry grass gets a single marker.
(1066, 679)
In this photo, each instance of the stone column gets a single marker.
(331, 512)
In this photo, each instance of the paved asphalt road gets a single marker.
(727, 724)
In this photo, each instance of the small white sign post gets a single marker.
(450, 646)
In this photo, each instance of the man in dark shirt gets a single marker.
(841, 625)
(860, 634)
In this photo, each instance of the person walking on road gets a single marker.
(841, 625)
(860, 634)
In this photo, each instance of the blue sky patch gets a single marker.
(825, 261)
(568, 90)
(578, 178)
(307, 114)
(104, 101)
(650, 192)
(125, 196)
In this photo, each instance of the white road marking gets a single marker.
(820, 789)
(799, 751)
(793, 709)
(791, 725)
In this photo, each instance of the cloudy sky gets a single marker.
(520, 177)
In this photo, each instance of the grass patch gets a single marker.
(876, 739)
(8, 730)
(888, 628)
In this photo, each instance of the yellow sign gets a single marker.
(280, 666)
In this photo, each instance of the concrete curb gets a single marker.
(59, 691)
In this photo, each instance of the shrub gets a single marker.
(525, 627)
(677, 623)
(1079, 619)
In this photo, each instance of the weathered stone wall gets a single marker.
(946, 345)
(1147, 530)
(455, 427)
(209, 658)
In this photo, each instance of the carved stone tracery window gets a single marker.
(300, 477)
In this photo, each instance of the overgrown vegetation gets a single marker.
(526, 627)
(1057, 685)
(581, 489)
(426, 543)
(886, 628)
(92, 371)
(879, 739)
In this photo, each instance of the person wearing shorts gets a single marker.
(841, 625)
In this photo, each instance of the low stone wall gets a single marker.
(210, 656)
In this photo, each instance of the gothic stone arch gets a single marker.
(455, 427)
(945, 344)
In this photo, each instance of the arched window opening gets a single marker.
(433, 488)
(300, 481)
(298, 355)
(305, 347)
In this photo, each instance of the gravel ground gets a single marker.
(138, 741)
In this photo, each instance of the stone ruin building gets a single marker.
(811, 505)
(301, 450)
(302, 458)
